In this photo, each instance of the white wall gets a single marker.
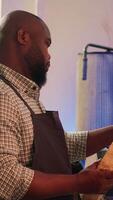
(10, 5)
(73, 24)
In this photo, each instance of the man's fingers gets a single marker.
(107, 174)
(107, 186)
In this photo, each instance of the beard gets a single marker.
(37, 68)
(39, 75)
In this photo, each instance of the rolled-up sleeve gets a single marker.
(15, 178)
(76, 143)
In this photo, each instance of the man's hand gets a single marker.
(94, 180)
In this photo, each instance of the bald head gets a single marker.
(24, 42)
(12, 22)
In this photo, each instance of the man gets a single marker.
(34, 158)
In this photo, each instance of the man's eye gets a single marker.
(48, 43)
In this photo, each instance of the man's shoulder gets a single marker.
(6, 92)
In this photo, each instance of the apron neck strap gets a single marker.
(17, 93)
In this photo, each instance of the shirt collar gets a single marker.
(22, 83)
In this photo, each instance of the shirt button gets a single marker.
(34, 87)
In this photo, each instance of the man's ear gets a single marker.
(23, 37)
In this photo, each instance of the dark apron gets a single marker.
(50, 150)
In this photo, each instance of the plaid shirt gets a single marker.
(16, 135)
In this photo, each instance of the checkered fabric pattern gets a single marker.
(16, 135)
